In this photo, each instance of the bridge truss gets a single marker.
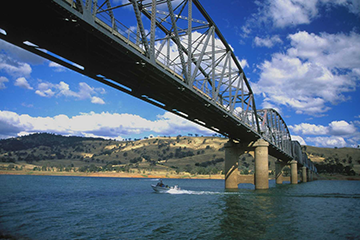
(181, 37)
(178, 40)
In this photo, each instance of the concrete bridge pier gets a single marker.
(232, 174)
(261, 164)
(294, 172)
(278, 172)
(232, 153)
(304, 175)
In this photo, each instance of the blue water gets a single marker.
(45, 207)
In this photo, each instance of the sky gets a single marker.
(302, 58)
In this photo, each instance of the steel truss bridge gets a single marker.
(169, 53)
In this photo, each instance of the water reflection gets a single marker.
(261, 214)
(240, 219)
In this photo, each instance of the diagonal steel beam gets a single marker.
(177, 38)
(141, 26)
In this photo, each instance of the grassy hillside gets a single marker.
(54, 152)
(347, 157)
(195, 155)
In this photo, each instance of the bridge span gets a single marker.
(168, 53)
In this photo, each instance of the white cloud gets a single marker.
(243, 63)
(64, 90)
(306, 77)
(335, 134)
(290, 13)
(13, 67)
(46, 89)
(45, 93)
(23, 83)
(3, 80)
(329, 50)
(341, 128)
(299, 139)
(110, 125)
(309, 129)
(335, 128)
(97, 100)
(57, 67)
(333, 141)
(268, 42)
(11, 125)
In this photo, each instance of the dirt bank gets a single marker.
(112, 174)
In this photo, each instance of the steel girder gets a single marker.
(182, 38)
(274, 129)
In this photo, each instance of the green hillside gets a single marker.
(195, 155)
(331, 160)
(49, 151)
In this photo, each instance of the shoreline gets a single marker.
(154, 175)
(112, 174)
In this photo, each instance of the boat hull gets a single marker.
(160, 189)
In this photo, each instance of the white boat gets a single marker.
(160, 187)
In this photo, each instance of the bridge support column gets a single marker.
(304, 175)
(308, 175)
(261, 164)
(278, 172)
(294, 172)
(232, 153)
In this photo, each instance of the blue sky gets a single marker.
(302, 58)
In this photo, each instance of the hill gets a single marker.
(331, 160)
(193, 155)
(55, 152)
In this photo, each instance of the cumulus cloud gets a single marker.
(46, 89)
(307, 77)
(309, 129)
(97, 100)
(109, 125)
(335, 134)
(13, 67)
(336, 128)
(332, 141)
(299, 139)
(330, 50)
(23, 83)
(243, 63)
(341, 128)
(291, 13)
(284, 13)
(3, 80)
(268, 42)
(57, 67)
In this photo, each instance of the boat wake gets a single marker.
(189, 192)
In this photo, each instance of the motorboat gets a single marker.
(161, 188)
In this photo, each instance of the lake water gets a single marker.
(45, 207)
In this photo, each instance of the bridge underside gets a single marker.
(101, 56)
